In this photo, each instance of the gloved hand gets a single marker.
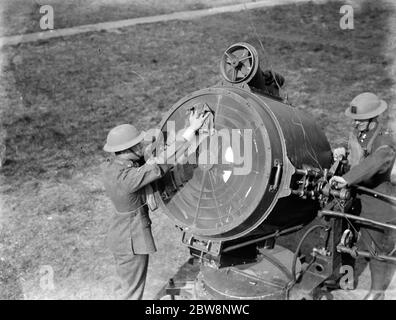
(196, 122)
(153, 160)
(339, 153)
(338, 182)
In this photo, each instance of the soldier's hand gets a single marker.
(339, 153)
(152, 160)
(197, 120)
(338, 182)
(160, 159)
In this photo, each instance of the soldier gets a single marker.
(127, 179)
(371, 158)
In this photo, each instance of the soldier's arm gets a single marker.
(175, 152)
(154, 168)
(377, 162)
(137, 178)
(182, 148)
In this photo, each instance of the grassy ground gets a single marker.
(23, 16)
(60, 97)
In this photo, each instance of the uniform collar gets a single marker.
(367, 135)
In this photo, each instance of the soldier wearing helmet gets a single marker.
(372, 153)
(127, 178)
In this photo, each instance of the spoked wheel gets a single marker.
(239, 63)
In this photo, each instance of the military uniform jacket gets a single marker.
(130, 226)
(372, 158)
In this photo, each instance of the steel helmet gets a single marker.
(365, 106)
(122, 137)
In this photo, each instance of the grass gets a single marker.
(23, 16)
(60, 97)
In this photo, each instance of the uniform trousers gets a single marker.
(132, 271)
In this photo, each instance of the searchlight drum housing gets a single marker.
(255, 145)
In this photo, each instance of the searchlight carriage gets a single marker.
(261, 173)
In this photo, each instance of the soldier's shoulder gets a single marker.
(386, 137)
(387, 133)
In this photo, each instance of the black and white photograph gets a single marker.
(198, 150)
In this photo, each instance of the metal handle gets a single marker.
(277, 176)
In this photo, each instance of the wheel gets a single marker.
(239, 63)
